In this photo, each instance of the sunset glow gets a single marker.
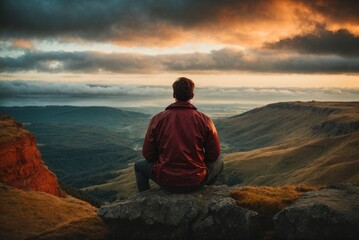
(217, 43)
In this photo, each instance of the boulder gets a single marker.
(331, 213)
(209, 213)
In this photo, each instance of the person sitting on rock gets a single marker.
(181, 146)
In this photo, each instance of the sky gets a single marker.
(279, 45)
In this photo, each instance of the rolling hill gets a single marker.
(313, 143)
(289, 123)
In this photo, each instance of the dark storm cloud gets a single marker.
(220, 60)
(161, 22)
(322, 41)
(106, 19)
(336, 10)
(272, 61)
(60, 17)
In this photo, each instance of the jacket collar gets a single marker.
(181, 104)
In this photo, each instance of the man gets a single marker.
(181, 146)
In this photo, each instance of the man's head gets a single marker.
(183, 89)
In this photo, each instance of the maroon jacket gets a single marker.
(179, 141)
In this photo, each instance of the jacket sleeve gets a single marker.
(150, 147)
(212, 146)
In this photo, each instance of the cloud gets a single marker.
(321, 41)
(337, 11)
(121, 20)
(168, 22)
(78, 62)
(220, 60)
(22, 44)
(25, 92)
(172, 22)
(27, 88)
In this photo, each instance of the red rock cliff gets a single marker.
(21, 165)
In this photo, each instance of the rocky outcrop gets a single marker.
(21, 165)
(209, 213)
(331, 213)
(314, 107)
(334, 128)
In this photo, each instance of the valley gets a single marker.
(94, 148)
(84, 146)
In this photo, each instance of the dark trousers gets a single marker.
(143, 171)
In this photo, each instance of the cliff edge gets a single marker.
(21, 165)
(43, 210)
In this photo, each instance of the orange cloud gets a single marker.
(158, 34)
(168, 23)
(23, 44)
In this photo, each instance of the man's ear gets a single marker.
(192, 95)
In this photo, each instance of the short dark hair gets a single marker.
(183, 89)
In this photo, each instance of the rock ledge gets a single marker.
(331, 213)
(209, 213)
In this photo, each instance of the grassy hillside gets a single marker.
(28, 214)
(289, 123)
(293, 143)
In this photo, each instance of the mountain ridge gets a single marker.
(312, 143)
(288, 122)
